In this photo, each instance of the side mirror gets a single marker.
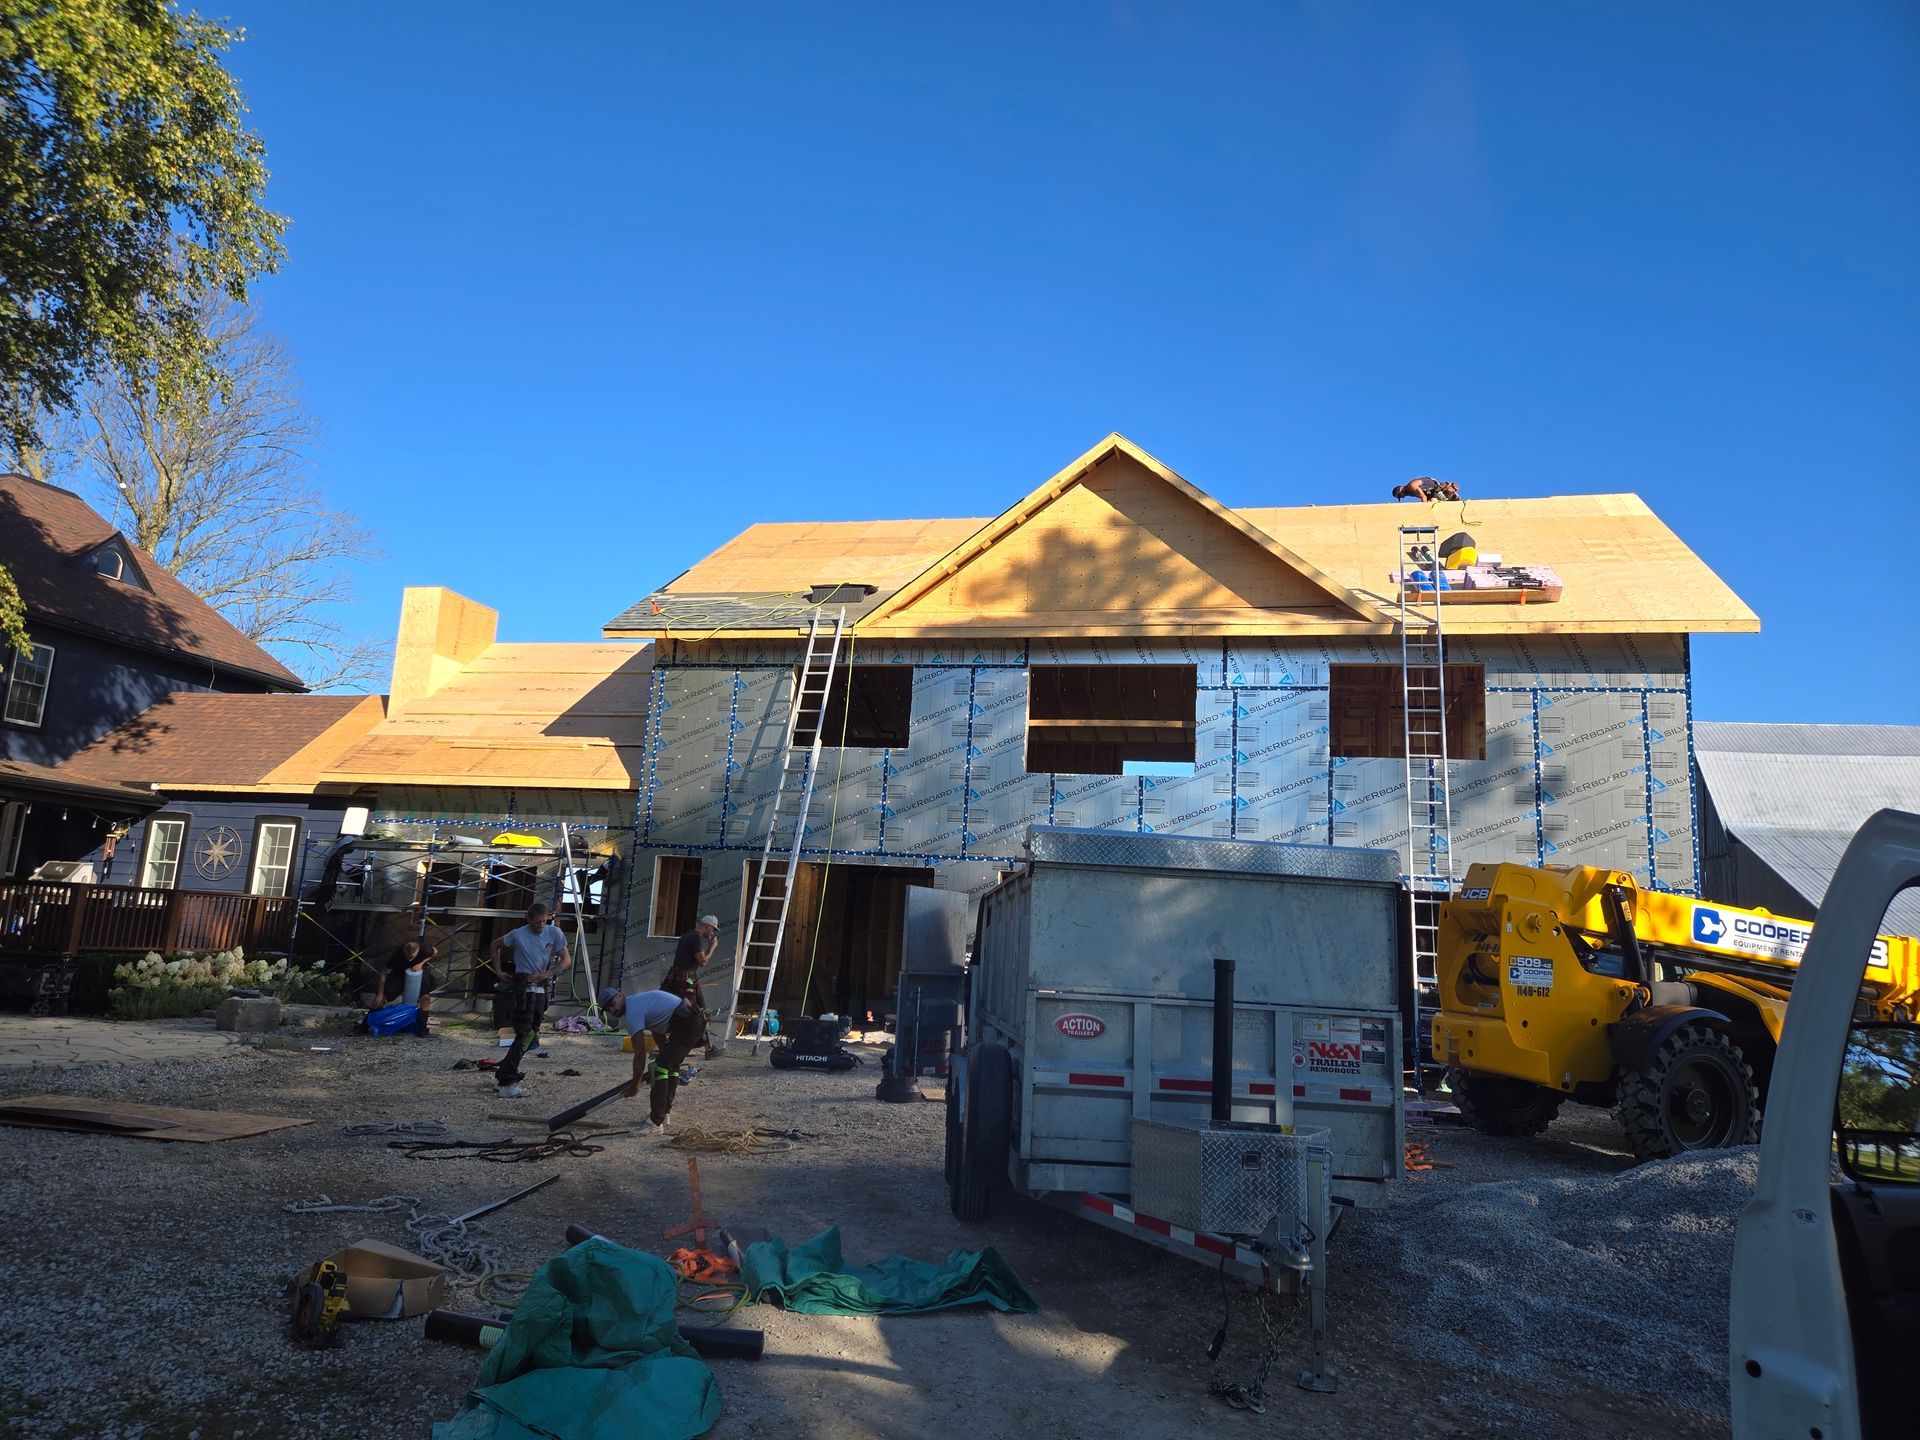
(1876, 1118)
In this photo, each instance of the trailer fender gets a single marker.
(1636, 1035)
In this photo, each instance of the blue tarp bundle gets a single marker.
(593, 1353)
(814, 1280)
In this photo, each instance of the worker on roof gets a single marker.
(539, 954)
(1425, 487)
(676, 1028)
(690, 954)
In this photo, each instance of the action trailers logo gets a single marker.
(1081, 1027)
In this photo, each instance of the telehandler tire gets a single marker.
(1695, 1092)
(1496, 1105)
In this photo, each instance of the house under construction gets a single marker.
(1119, 650)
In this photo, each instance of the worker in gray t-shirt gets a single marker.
(675, 1024)
(539, 954)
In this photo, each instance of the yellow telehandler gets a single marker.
(1571, 983)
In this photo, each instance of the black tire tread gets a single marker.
(1641, 1111)
(1495, 1105)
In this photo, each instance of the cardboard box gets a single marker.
(385, 1282)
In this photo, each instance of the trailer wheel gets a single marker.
(986, 1132)
(1497, 1105)
(1696, 1092)
(956, 1077)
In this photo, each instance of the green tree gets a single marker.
(131, 192)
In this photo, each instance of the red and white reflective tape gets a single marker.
(1333, 1092)
(1101, 1079)
(1205, 1087)
(1198, 1239)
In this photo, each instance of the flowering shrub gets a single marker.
(152, 987)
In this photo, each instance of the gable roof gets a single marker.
(1624, 571)
(196, 740)
(565, 715)
(1160, 563)
(45, 534)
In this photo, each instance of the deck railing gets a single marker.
(45, 917)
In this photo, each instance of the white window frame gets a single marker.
(43, 679)
(13, 829)
(154, 826)
(260, 864)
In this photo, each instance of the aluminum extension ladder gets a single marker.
(1423, 704)
(758, 960)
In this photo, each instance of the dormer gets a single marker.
(112, 559)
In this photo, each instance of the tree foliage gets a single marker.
(219, 489)
(131, 190)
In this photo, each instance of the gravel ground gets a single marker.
(1516, 1277)
(1507, 1293)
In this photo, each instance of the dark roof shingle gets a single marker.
(201, 739)
(45, 530)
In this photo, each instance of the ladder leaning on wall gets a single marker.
(1423, 706)
(758, 957)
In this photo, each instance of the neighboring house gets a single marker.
(1778, 804)
(113, 631)
(235, 781)
(1120, 650)
(484, 740)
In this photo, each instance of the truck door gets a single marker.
(1825, 1332)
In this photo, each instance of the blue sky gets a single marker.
(579, 293)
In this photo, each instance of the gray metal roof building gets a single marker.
(1779, 803)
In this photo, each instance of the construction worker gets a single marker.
(676, 1028)
(407, 980)
(539, 954)
(1425, 487)
(690, 955)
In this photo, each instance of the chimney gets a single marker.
(441, 633)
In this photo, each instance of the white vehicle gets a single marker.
(1825, 1341)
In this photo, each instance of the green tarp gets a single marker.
(813, 1280)
(593, 1353)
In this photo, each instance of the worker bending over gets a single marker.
(675, 1026)
(539, 954)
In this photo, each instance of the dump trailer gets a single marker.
(1571, 983)
(1195, 1042)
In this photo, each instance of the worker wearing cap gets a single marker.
(690, 954)
(539, 953)
(676, 1027)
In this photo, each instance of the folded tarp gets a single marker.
(814, 1280)
(592, 1353)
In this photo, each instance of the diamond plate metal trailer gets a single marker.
(1092, 1012)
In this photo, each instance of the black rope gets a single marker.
(503, 1152)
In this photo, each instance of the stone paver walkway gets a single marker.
(57, 1041)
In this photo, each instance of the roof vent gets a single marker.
(839, 594)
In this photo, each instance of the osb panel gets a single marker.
(1119, 542)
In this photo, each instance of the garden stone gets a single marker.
(248, 1014)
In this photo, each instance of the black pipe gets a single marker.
(709, 1342)
(1222, 1041)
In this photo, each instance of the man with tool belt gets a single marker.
(676, 1027)
(539, 954)
(690, 953)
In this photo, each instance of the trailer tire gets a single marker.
(956, 1077)
(1497, 1105)
(1694, 1092)
(986, 1132)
